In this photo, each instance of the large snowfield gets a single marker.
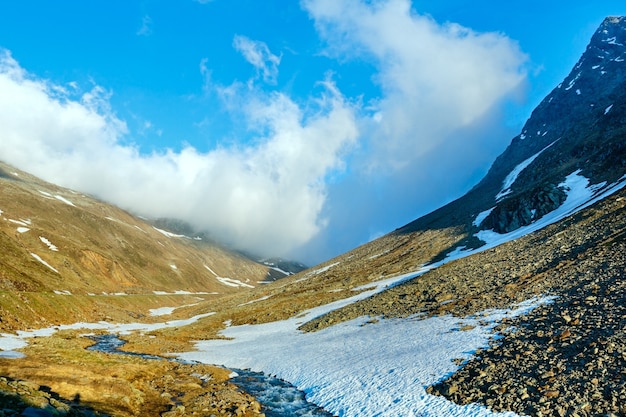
(362, 367)
(367, 366)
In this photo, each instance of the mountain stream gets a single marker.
(278, 398)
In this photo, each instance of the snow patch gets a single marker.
(49, 244)
(608, 109)
(580, 194)
(277, 269)
(166, 233)
(573, 81)
(231, 282)
(612, 41)
(512, 177)
(163, 311)
(22, 229)
(63, 292)
(482, 216)
(255, 301)
(182, 292)
(174, 267)
(10, 342)
(44, 262)
(210, 270)
(64, 200)
(228, 281)
(317, 271)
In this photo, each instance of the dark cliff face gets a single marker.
(580, 125)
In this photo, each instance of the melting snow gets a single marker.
(44, 262)
(22, 229)
(65, 200)
(608, 109)
(482, 216)
(579, 196)
(182, 292)
(229, 281)
(275, 268)
(166, 233)
(163, 311)
(361, 369)
(49, 244)
(210, 270)
(317, 271)
(21, 222)
(255, 301)
(612, 41)
(577, 92)
(512, 177)
(233, 282)
(572, 82)
(595, 67)
(174, 267)
(64, 292)
(10, 342)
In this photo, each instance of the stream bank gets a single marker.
(277, 397)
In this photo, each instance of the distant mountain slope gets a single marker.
(57, 243)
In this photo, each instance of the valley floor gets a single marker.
(422, 347)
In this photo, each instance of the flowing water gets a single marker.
(278, 398)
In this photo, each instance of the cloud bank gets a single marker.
(265, 197)
(322, 174)
(435, 78)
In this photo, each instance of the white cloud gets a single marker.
(146, 26)
(266, 197)
(259, 55)
(436, 79)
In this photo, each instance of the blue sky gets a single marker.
(299, 129)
